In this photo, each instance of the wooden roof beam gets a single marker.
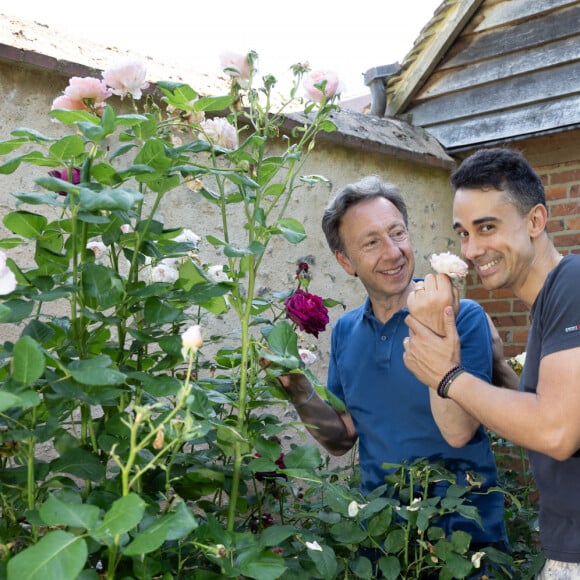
(457, 15)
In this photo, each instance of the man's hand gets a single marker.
(429, 355)
(503, 375)
(428, 300)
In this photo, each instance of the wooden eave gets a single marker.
(431, 45)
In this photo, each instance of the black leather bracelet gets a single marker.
(448, 378)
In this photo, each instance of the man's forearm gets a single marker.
(333, 430)
(327, 426)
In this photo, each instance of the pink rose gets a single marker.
(237, 66)
(450, 264)
(307, 311)
(127, 78)
(68, 104)
(89, 91)
(219, 132)
(320, 84)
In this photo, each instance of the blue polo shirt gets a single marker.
(391, 411)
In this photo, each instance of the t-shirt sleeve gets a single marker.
(558, 314)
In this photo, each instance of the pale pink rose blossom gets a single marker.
(307, 356)
(7, 277)
(100, 251)
(314, 546)
(187, 236)
(354, 507)
(144, 273)
(88, 90)
(191, 340)
(237, 66)
(450, 264)
(317, 77)
(68, 104)
(126, 228)
(219, 132)
(127, 78)
(216, 274)
(164, 273)
(476, 559)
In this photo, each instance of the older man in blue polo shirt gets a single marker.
(393, 416)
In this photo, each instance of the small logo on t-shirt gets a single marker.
(569, 329)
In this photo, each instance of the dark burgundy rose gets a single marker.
(307, 311)
(76, 176)
(265, 475)
(302, 272)
(260, 523)
(302, 267)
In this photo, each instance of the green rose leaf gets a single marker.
(264, 566)
(348, 532)
(67, 148)
(26, 224)
(57, 555)
(80, 463)
(96, 371)
(102, 286)
(325, 561)
(55, 512)
(303, 457)
(8, 401)
(292, 230)
(28, 361)
(124, 515)
(275, 535)
(160, 530)
(109, 199)
(283, 340)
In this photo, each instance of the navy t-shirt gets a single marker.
(556, 326)
(391, 411)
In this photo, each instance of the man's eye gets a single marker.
(462, 234)
(398, 235)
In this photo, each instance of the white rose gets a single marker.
(307, 356)
(450, 264)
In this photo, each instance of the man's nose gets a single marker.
(471, 249)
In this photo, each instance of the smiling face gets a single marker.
(378, 249)
(495, 237)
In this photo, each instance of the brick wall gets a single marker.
(509, 314)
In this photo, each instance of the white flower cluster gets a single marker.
(166, 270)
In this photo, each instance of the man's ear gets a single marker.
(537, 220)
(344, 262)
